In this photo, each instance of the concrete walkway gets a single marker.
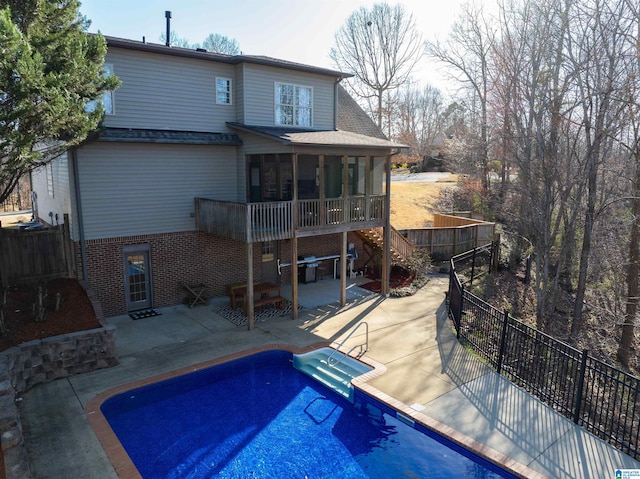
(426, 369)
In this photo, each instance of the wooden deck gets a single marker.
(272, 221)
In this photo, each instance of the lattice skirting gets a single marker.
(262, 313)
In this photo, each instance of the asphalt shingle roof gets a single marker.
(135, 135)
(291, 136)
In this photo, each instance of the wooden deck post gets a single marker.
(294, 277)
(386, 241)
(249, 297)
(343, 270)
(294, 240)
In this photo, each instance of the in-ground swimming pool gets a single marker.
(259, 417)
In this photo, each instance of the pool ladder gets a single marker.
(364, 347)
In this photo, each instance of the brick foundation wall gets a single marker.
(192, 257)
(186, 257)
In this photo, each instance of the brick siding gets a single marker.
(176, 258)
(192, 258)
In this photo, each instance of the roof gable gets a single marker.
(351, 117)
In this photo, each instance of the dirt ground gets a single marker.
(411, 201)
(75, 312)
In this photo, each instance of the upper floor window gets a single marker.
(223, 91)
(293, 105)
(107, 96)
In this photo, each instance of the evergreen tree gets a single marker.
(50, 69)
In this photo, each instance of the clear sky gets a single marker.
(295, 30)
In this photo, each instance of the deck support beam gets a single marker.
(386, 242)
(294, 241)
(343, 270)
(249, 296)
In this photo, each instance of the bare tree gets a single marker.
(530, 87)
(175, 40)
(633, 146)
(220, 44)
(214, 43)
(418, 119)
(594, 51)
(467, 52)
(381, 47)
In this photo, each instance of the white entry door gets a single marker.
(137, 278)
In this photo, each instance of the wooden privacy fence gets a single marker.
(36, 255)
(451, 235)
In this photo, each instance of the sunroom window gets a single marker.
(293, 105)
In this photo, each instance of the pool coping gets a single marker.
(125, 468)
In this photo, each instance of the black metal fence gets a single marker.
(598, 397)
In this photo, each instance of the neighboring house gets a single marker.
(215, 169)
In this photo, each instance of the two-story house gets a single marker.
(216, 169)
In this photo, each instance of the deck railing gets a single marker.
(400, 244)
(255, 222)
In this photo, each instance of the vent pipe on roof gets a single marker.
(167, 15)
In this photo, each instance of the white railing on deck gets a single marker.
(337, 211)
(256, 222)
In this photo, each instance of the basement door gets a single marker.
(137, 277)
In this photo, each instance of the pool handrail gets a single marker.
(360, 345)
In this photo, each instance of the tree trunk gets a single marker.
(578, 319)
(632, 274)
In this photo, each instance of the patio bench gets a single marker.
(279, 300)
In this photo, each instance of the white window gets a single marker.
(293, 105)
(223, 91)
(49, 172)
(107, 96)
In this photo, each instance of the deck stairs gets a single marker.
(400, 251)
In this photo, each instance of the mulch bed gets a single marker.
(399, 278)
(75, 313)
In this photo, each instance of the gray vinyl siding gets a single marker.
(239, 93)
(60, 202)
(168, 92)
(135, 189)
(259, 94)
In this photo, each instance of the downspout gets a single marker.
(81, 239)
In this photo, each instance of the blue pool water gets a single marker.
(259, 417)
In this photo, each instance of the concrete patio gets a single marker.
(426, 369)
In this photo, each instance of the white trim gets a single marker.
(230, 90)
(295, 105)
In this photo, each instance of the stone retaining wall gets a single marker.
(41, 361)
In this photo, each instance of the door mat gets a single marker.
(145, 313)
(262, 313)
